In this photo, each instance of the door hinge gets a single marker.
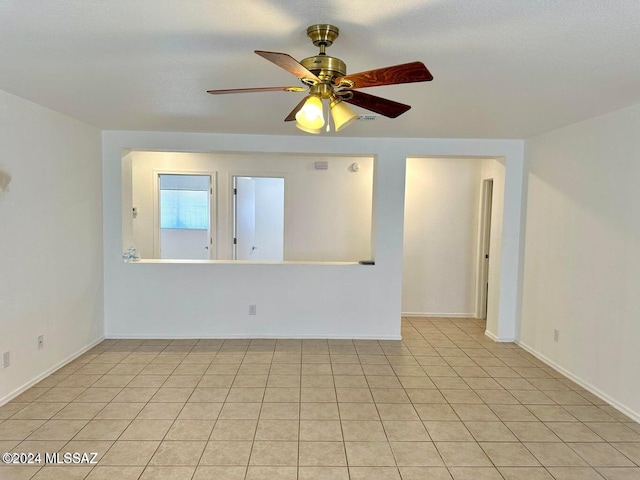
(211, 241)
(235, 191)
(235, 241)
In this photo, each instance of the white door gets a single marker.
(245, 217)
(485, 245)
(259, 218)
(185, 216)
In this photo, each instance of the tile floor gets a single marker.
(445, 403)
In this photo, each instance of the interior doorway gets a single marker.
(185, 216)
(485, 246)
(258, 218)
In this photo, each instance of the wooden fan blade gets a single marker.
(292, 116)
(385, 107)
(289, 63)
(259, 89)
(405, 73)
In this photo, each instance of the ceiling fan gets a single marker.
(325, 78)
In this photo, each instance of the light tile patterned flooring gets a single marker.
(444, 403)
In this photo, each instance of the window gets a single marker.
(185, 216)
(184, 209)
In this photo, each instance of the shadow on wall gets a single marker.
(5, 180)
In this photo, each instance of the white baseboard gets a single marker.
(491, 335)
(499, 339)
(235, 336)
(32, 382)
(635, 416)
(439, 315)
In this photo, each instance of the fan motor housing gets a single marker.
(324, 67)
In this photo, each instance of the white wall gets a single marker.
(304, 300)
(51, 276)
(582, 253)
(441, 236)
(327, 212)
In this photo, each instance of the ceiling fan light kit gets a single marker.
(311, 115)
(315, 131)
(326, 79)
(342, 114)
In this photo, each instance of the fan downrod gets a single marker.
(323, 66)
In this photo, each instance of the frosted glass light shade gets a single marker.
(310, 115)
(315, 131)
(342, 115)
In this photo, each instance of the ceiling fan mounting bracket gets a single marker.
(323, 34)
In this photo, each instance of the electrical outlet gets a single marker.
(6, 359)
(40, 342)
(556, 335)
(252, 310)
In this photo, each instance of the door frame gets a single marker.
(484, 246)
(213, 206)
(232, 204)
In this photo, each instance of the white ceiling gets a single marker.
(502, 68)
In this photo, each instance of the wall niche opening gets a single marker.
(327, 205)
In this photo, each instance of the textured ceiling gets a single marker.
(503, 69)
